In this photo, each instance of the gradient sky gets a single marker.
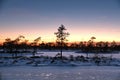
(82, 18)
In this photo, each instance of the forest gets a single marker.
(22, 45)
(21, 51)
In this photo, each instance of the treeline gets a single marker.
(20, 44)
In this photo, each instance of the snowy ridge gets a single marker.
(56, 61)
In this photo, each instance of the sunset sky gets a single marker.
(82, 19)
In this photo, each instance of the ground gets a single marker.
(26, 69)
(60, 73)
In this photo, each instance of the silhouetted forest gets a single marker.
(22, 45)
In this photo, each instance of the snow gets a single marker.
(46, 58)
(65, 53)
(41, 68)
(60, 73)
(68, 53)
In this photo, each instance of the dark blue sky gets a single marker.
(82, 18)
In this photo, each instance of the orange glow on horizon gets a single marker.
(76, 34)
(71, 38)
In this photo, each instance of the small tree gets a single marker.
(17, 42)
(35, 45)
(9, 46)
(90, 45)
(61, 37)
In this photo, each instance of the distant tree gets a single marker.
(99, 46)
(17, 43)
(35, 45)
(12, 46)
(81, 46)
(106, 47)
(92, 38)
(90, 45)
(61, 37)
(19, 38)
(9, 46)
(24, 45)
(113, 46)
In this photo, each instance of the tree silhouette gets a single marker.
(35, 44)
(8, 46)
(17, 42)
(90, 45)
(12, 46)
(61, 37)
(92, 38)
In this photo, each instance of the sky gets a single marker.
(82, 19)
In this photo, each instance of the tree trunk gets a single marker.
(61, 50)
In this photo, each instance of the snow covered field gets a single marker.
(65, 53)
(60, 73)
(18, 69)
(46, 58)
(68, 53)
